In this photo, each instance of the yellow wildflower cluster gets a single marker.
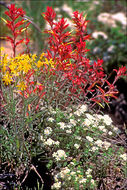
(44, 61)
(21, 85)
(7, 78)
(16, 68)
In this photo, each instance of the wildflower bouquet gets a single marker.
(61, 77)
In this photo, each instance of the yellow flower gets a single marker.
(39, 64)
(34, 56)
(7, 78)
(21, 86)
(13, 69)
(4, 63)
(26, 67)
(1, 50)
(49, 62)
(42, 56)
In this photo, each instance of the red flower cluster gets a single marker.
(16, 25)
(73, 73)
(78, 74)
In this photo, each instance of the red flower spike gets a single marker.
(122, 71)
(15, 13)
(49, 15)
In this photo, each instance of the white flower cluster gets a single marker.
(56, 185)
(89, 120)
(50, 142)
(124, 156)
(81, 110)
(62, 125)
(76, 145)
(105, 118)
(66, 126)
(90, 139)
(72, 121)
(102, 128)
(64, 173)
(60, 154)
(51, 119)
(88, 175)
(82, 181)
(100, 144)
(94, 120)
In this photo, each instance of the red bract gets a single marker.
(122, 71)
(14, 12)
(49, 15)
(16, 26)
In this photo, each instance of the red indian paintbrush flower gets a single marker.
(75, 71)
(17, 25)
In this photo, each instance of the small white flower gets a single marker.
(78, 138)
(56, 177)
(87, 122)
(69, 126)
(88, 171)
(110, 132)
(107, 120)
(90, 117)
(56, 185)
(60, 154)
(64, 172)
(57, 143)
(89, 176)
(124, 156)
(62, 125)
(115, 129)
(72, 163)
(53, 112)
(49, 142)
(89, 138)
(104, 130)
(70, 114)
(42, 138)
(92, 181)
(72, 173)
(50, 119)
(48, 131)
(106, 145)
(76, 146)
(99, 143)
(94, 148)
(68, 131)
(101, 127)
(78, 112)
(76, 178)
(83, 108)
(72, 121)
(54, 154)
(82, 180)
